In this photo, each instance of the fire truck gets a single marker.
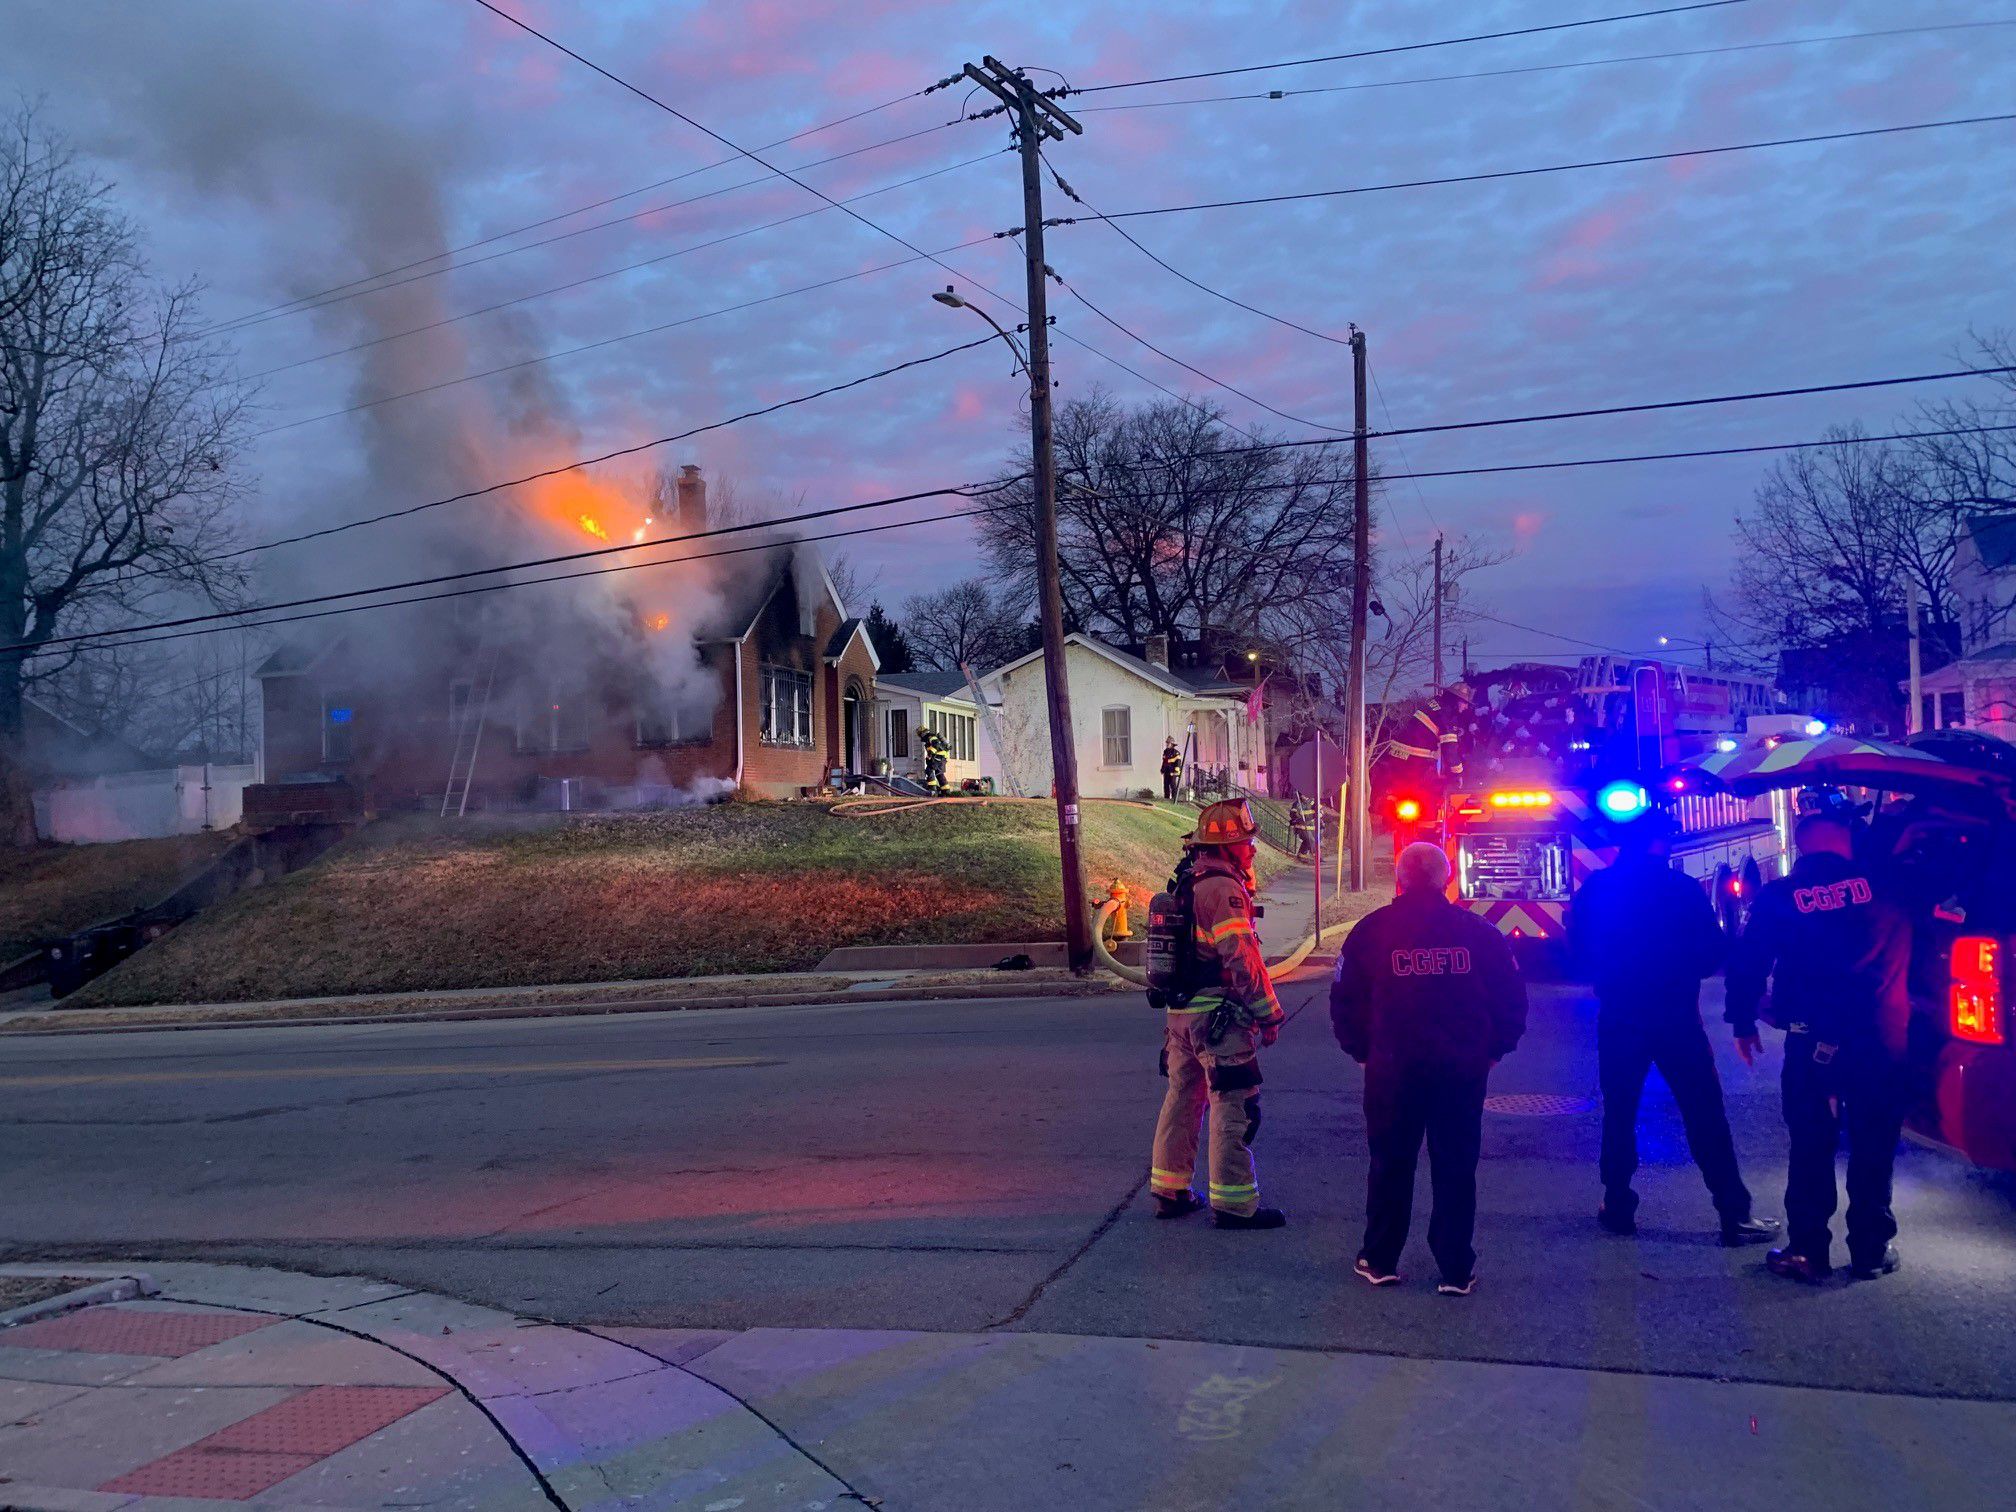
(1552, 761)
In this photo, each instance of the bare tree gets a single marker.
(1163, 530)
(1400, 653)
(965, 623)
(118, 424)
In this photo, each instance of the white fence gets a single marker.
(180, 800)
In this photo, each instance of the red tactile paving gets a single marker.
(131, 1331)
(217, 1474)
(262, 1450)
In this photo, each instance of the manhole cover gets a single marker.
(1536, 1104)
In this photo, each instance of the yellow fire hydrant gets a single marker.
(1120, 897)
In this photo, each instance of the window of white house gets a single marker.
(338, 721)
(1116, 726)
(899, 733)
(1952, 710)
(785, 707)
(958, 731)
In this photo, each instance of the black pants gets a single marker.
(1863, 1094)
(1169, 786)
(1628, 1045)
(1402, 1105)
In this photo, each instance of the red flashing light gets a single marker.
(1975, 998)
(1407, 810)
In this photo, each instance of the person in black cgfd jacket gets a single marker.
(1838, 956)
(1427, 998)
(1646, 935)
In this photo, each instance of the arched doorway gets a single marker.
(854, 742)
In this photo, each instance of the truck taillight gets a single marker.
(1976, 994)
(1407, 810)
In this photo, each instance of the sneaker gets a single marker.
(1262, 1218)
(1797, 1267)
(1182, 1205)
(1448, 1288)
(1749, 1231)
(1376, 1277)
(1621, 1224)
(1883, 1266)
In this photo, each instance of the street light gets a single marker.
(1707, 648)
(1049, 605)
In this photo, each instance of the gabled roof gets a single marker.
(1995, 538)
(927, 684)
(1147, 671)
(849, 629)
(292, 658)
(791, 559)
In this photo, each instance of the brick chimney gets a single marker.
(1158, 651)
(691, 502)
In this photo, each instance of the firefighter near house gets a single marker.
(1206, 974)
(1548, 765)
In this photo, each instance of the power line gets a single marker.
(558, 577)
(599, 226)
(874, 226)
(962, 490)
(579, 463)
(592, 553)
(1513, 173)
(304, 301)
(1407, 47)
(649, 262)
(1538, 68)
(607, 341)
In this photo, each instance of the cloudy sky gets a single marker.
(275, 150)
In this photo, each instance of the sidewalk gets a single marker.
(240, 1387)
(697, 993)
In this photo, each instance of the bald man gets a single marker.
(1427, 999)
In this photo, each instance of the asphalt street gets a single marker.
(952, 1166)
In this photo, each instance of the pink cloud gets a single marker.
(1587, 251)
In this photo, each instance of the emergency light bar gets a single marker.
(1622, 800)
(1522, 800)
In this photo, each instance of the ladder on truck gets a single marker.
(468, 729)
(993, 732)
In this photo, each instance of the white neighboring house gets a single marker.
(1978, 692)
(1122, 710)
(907, 702)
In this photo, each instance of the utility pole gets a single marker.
(1361, 602)
(1036, 117)
(1914, 717)
(1435, 687)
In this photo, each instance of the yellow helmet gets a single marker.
(1228, 822)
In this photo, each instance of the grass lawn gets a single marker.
(57, 889)
(414, 903)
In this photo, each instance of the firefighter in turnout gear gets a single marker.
(936, 753)
(1837, 955)
(1427, 999)
(1172, 768)
(1302, 820)
(1220, 1009)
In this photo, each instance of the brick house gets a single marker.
(349, 729)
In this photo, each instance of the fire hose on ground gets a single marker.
(1139, 977)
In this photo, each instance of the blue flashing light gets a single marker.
(1815, 728)
(339, 716)
(1726, 744)
(1622, 800)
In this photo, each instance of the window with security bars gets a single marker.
(786, 707)
(1116, 728)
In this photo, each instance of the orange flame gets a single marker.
(657, 621)
(593, 526)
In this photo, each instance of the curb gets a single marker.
(117, 1289)
(581, 1010)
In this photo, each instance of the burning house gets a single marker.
(676, 683)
